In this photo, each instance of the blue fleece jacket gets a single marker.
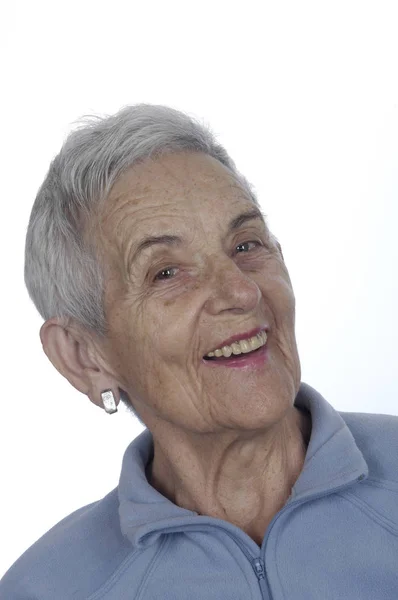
(336, 538)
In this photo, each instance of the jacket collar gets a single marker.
(332, 460)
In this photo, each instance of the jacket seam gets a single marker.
(239, 565)
(162, 548)
(386, 523)
(105, 587)
(314, 490)
(383, 483)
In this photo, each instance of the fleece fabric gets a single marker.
(336, 538)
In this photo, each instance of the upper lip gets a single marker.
(239, 336)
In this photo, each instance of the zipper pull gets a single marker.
(259, 568)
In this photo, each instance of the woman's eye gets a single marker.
(250, 242)
(166, 270)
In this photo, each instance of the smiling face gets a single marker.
(169, 304)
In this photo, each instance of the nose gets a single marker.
(231, 289)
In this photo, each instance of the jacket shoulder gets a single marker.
(73, 559)
(376, 436)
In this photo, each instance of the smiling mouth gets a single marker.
(240, 347)
(234, 356)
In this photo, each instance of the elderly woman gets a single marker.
(162, 287)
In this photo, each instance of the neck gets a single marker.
(244, 478)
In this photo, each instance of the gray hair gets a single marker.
(63, 275)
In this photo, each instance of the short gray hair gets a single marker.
(63, 275)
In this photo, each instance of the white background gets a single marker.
(304, 95)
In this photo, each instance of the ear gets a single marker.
(74, 353)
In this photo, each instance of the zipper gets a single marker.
(258, 563)
(258, 567)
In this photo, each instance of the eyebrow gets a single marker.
(175, 240)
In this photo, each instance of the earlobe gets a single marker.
(69, 351)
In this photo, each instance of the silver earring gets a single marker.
(108, 400)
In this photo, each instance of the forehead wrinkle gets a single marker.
(161, 219)
(159, 175)
(119, 207)
(126, 202)
(140, 189)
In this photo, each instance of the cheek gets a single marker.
(126, 341)
(184, 297)
(140, 339)
(170, 337)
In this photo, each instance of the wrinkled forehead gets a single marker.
(172, 176)
(168, 189)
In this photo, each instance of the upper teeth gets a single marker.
(243, 346)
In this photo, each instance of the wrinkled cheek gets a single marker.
(288, 303)
(124, 355)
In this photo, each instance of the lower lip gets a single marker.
(250, 360)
